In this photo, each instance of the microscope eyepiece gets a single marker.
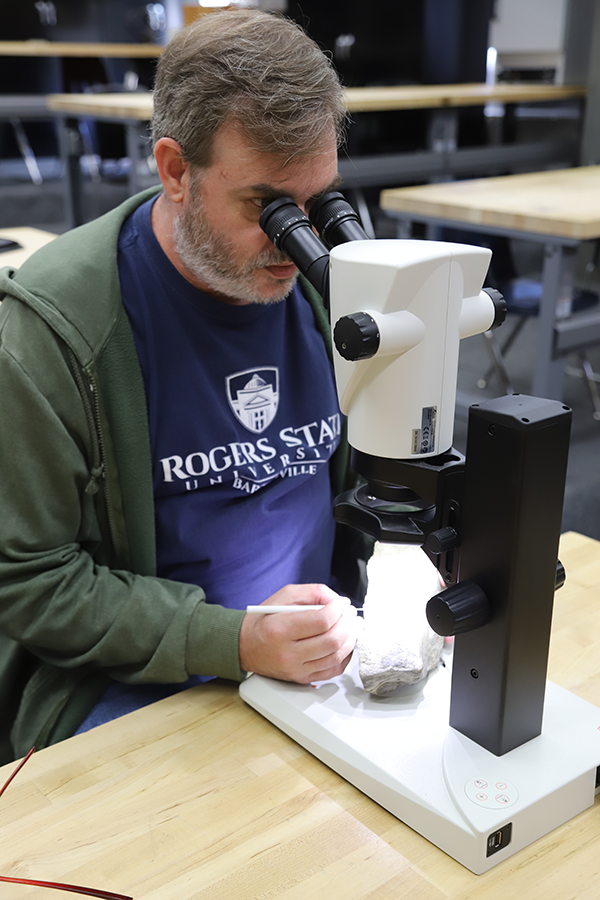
(335, 220)
(280, 218)
(290, 230)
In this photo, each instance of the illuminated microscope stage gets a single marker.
(401, 752)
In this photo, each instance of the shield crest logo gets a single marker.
(253, 395)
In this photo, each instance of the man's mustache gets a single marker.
(277, 258)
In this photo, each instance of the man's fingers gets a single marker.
(327, 653)
(306, 594)
(331, 640)
(306, 625)
(328, 669)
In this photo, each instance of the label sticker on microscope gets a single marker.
(416, 441)
(424, 437)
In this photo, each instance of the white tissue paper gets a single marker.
(397, 645)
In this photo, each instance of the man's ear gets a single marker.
(173, 170)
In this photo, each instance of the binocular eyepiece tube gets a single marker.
(291, 231)
(335, 220)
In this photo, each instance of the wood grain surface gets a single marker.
(561, 203)
(75, 48)
(360, 99)
(424, 96)
(30, 239)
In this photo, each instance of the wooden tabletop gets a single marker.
(563, 203)
(360, 99)
(30, 239)
(124, 106)
(139, 106)
(423, 96)
(74, 48)
(199, 798)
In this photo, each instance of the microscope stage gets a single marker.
(401, 752)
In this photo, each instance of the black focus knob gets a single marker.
(356, 336)
(442, 540)
(499, 307)
(463, 607)
(561, 575)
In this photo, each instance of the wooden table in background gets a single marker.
(557, 208)
(122, 107)
(198, 797)
(138, 107)
(440, 159)
(359, 99)
(434, 96)
(30, 239)
(132, 110)
(78, 49)
(15, 108)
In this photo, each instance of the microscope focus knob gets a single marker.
(356, 336)
(442, 540)
(462, 607)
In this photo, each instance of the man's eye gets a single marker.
(262, 202)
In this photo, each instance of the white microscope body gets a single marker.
(424, 296)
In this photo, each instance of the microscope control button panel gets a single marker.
(491, 793)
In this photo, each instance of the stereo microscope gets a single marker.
(483, 756)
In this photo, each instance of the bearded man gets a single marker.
(171, 439)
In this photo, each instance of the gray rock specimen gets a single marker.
(397, 646)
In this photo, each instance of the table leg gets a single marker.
(443, 131)
(404, 229)
(442, 138)
(70, 151)
(138, 147)
(548, 372)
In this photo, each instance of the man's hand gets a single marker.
(301, 647)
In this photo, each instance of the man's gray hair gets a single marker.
(257, 70)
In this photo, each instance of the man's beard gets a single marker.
(212, 258)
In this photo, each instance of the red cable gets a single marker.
(90, 892)
(75, 889)
(17, 770)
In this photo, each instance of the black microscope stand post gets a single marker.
(516, 459)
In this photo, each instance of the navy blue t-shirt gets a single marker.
(243, 418)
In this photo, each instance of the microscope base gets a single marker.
(401, 752)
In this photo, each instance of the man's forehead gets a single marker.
(269, 191)
(235, 156)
